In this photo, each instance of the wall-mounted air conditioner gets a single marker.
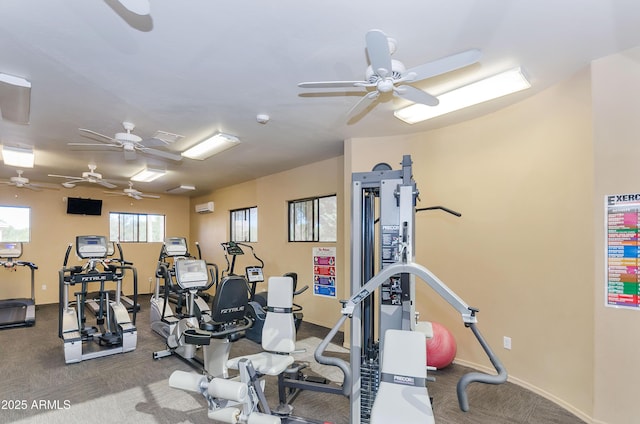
(204, 207)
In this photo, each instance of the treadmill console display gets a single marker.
(191, 273)
(91, 247)
(10, 250)
(175, 246)
(254, 274)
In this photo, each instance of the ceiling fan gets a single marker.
(386, 75)
(132, 192)
(131, 143)
(87, 177)
(23, 182)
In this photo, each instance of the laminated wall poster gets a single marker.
(324, 271)
(622, 216)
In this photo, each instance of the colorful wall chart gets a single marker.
(622, 215)
(324, 271)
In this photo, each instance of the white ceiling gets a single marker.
(200, 66)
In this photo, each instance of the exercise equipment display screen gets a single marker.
(191, 273)
(10, 250)
(254, 274)
(175, 246)
(88, 247)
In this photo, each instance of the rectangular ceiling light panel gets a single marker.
(148, 175)
(212, 145)
(478, 92)
(18, 156)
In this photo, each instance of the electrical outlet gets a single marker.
(44, 287)
(507, 342)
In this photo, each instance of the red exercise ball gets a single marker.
(441, 348)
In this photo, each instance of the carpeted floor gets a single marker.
(37, 386)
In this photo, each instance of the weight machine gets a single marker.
(383, 263)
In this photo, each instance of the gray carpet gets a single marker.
(37, 386)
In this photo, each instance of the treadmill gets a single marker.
(16, 312)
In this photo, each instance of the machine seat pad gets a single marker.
(402, 382)
(265, 363)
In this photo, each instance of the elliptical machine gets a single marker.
(163, 318)
(199, 327)
(115, 331)
(253, 276)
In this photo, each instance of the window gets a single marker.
(136, 227)
(244, 225)
(313, 219)
(15, 223)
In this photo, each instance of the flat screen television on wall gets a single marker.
(79, 206)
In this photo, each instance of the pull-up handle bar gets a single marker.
(442, 208)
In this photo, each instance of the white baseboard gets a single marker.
(537, 390)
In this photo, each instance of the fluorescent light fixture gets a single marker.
(181, 189)
(15, 98)
(481, 91)
(148, 174)
(212, 145)
(18, 156)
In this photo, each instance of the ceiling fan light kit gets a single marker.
(87, 177)
(131, 143)
(21, 157)
(133, 193)
(386, 75)
(22, 182)
(496, 86)
(215, 144)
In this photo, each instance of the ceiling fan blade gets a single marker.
(90, 144)
(46, 186)
(160, 153)
(416, 95)
(149, 196)
(97, 134)
(332, 84)
(106, 184)
(64, 176)
(379, 54)
(129, 155)
(363, 103)
(444, 65)
(139, 7)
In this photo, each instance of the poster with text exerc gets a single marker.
(324, 271)
(622, 215)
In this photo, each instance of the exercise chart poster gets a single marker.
(324, 271)
(622, 216)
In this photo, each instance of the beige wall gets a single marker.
(522, 250)
(52, 230)
(270, 194)
(528, 250)
(616, 98)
